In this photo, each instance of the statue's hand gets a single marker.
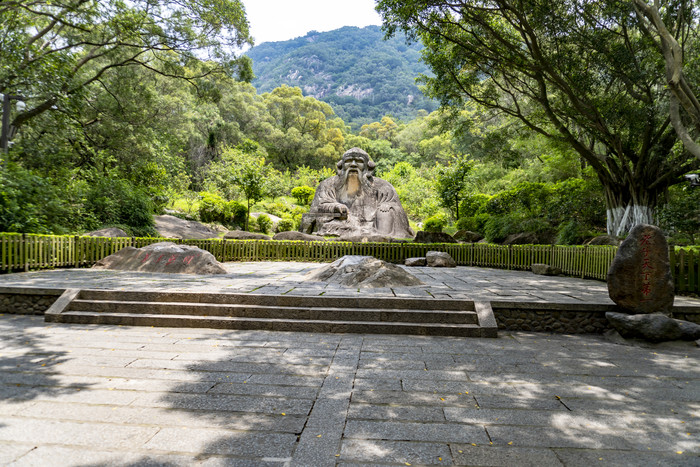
(341, 208)
(384, 208)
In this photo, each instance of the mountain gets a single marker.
(361, 75)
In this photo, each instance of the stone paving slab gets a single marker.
(77, 395)
(289, 278)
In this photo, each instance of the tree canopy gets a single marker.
(575, 71)
(51, 50)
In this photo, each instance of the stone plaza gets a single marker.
(124, 395)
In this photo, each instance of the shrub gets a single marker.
(114, 201)
(472, 204)
(303, 194)
(264, 223)
(237, 212)
(277, 208)
(213, 208)
(435, 224)
(285, 224)
(572, 233)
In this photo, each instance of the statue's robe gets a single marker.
(376, 210)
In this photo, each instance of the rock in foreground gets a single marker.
(163, 257)
(439, 259)
(653, 327)
(363, 271)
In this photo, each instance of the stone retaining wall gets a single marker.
(27, 302)
(559, 322)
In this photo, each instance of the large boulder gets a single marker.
(639, 279)
(243, 235)
(653, 327)
(363, 271)
(604, 240)
(439, 259)
(529, 238)
(292, 235)
(108, 232)
(173, 227)
(163, 257)
(467, 236)
(434, 237)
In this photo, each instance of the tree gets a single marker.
(575, 71)
(302, 130)
(669, 23)
(51, 50)
(451, 182)
(243, 167)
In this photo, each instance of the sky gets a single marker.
(281, 20)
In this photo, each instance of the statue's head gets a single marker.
(355, 160)
(355, 172)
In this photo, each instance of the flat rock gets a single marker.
(545, 269)
(639, 278)
(363, 271)
(163, 257)
(174, 227)
(301, 236)
(419, 261)
(108, 232)
(653, 327)
(439, 259)
(434, 237)
(243, 235)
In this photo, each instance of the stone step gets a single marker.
(270, 324)
(281, 300)
(426, 317)
(276, 312)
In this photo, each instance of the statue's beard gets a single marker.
(353, 185)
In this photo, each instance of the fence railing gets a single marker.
(22, 252)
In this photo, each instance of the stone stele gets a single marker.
(639, 279)
(355, 203)
(163, 257)
(363, 271)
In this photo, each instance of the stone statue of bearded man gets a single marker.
(355, 203)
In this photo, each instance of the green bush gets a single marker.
(572, 233)
(465, 223)
(213, 208)
(285, 224)
(472, 204)
(264, 223)
(277, 208)
(473, 223)
(303, 194)
(114, 201)
(237, 212)
(435, 224)
(30, 203)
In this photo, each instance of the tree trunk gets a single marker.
(627, 209)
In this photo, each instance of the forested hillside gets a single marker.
(361, 75)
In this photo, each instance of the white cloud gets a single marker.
(280, 20)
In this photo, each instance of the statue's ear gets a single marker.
(339, 166)
(371, 166)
